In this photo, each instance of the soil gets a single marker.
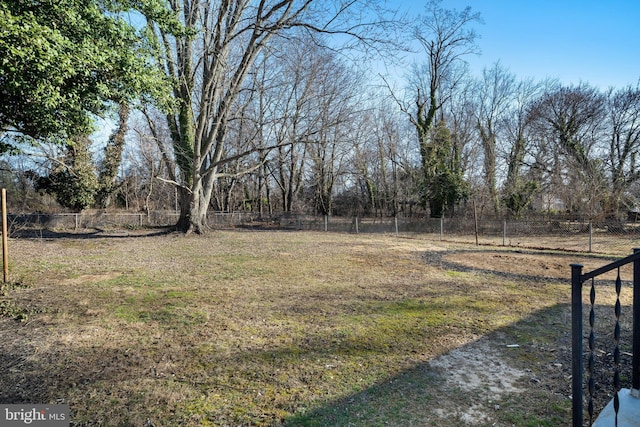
(477, 370)
(488, 367)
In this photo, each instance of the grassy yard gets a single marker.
(276, 328)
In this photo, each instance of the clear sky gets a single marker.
(573, 40)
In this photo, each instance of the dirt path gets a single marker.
(484, 374)
(479, 372)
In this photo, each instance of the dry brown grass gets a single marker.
(254, 328)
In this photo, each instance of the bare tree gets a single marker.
(336, 109)
(144, 175)
(459, 113)
(389, 135)
(623, 110)
(518, 190)
(446, 37)
(493, 93)
(381, 164)
(302, 69)
(571, 120)
(209, 62)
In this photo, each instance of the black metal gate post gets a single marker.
(576, 345)
(635, 372)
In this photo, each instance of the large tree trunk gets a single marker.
(193, 212)
(184, 201)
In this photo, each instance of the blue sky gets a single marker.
(573, 40)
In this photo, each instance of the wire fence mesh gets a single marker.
(565, 235)
(612, 237)
(127, 220)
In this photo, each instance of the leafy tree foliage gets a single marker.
(61, 64)
(520, 196)
(443, 182)
(73, 183)
(61, 61)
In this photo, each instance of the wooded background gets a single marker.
(281, 108)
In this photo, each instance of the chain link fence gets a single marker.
(613, 237)
(25, 224)
(564, 235)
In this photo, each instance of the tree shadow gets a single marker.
(34, 377)
(93, 233)
(517, 375)
(440, 259)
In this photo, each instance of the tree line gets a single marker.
(272, 107)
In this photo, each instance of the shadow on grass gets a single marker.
(517, 375)
(441, 259)
(39, 377)
(472, 388)
(93, 233)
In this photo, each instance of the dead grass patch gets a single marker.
(267, 328)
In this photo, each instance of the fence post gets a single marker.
(5, 239)
(504, 232)
(441, 228)
(635, 370)
(326, 222)
(76, 219)
(395, 219)
(576, 344)
(357, 230)
(475, 221)
(590, 235)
